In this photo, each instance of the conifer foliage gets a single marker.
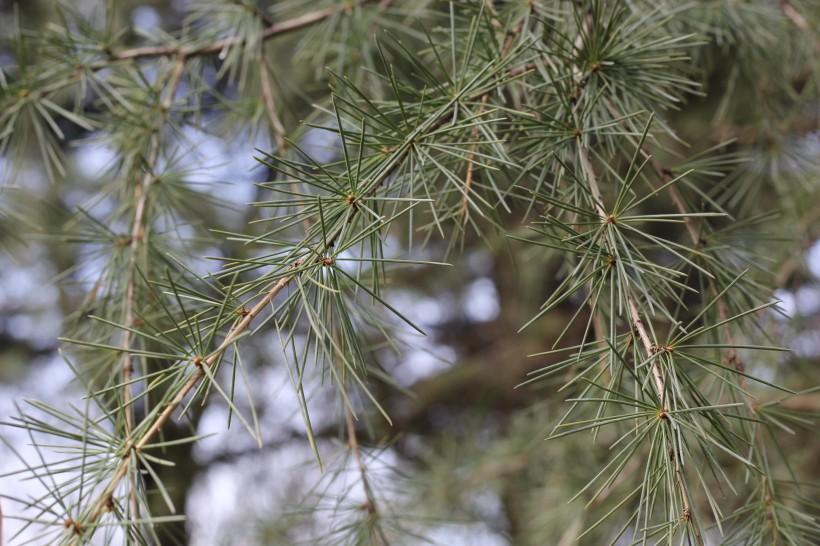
(646, 169)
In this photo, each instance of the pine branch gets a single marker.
(650, 347)
(467, 141)
(165, 415)
(210, 360)
(731, 357)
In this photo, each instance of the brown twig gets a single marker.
(468, 178)
(353, 443)
(369, 505)
(270, 103)
(136, 243)
(276, 29)
(794, 16)
(512, 34)
(277, 127)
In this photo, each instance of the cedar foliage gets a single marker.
(644, 169)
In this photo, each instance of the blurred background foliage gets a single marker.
(86, 129)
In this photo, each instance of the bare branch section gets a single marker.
(512, 35)
(795, 16)
(276, 29)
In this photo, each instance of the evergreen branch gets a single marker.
(233, 335)
(650, 348)
(165, 415)
(557, 130)
(731, 357)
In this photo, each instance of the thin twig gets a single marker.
(270, 104)
(512, 34)
(369, 504)
(276, 29)
(136, 243)
(468, 178)
(277, 127)
(794, 16)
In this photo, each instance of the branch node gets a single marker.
(735, 361)
(74, 526)
(123, 241)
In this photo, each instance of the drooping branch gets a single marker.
(635, 317)
(643, 335)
